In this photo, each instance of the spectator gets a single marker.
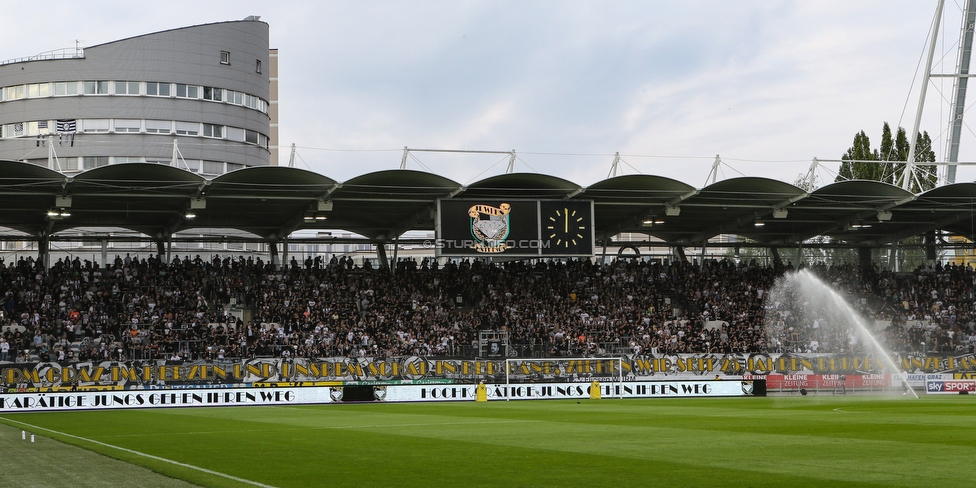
(573, 307)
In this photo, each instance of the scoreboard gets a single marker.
(516, 228)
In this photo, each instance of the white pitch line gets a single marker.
(150, 456)
(847, 411)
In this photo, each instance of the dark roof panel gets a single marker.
(271, 202)
(521, 185)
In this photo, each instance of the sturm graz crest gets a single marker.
(490, 227)
(336, 393)
(747, 387)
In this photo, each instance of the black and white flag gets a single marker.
(66, 125)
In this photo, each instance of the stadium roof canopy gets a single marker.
(271, 202)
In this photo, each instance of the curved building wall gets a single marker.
(206, 86)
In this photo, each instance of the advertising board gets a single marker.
(954, 387)
(795, 382)
(253, 396)
(216, 397)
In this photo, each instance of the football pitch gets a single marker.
(771, 441)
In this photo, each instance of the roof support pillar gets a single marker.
(273, 252)
(44, 251)
(105, 253)
(679, 253)
(864, 256)
(396, 247)
(381, 254)
(774, 252)
(930, 253)
(603, 257)
(160, 247)
(893, 257)
(284, 253)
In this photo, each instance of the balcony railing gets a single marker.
(63, 53)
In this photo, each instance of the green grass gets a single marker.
(777, 441)
(47, 463)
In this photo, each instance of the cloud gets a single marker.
(775, 82)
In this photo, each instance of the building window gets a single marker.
(257, 66)
(37, 90)
(211, 93)
(187, 128)
(251, 136)
(127, 125)
(16, 92)
(235, 134)
(234, 167)
(224, 57)
(38, 128)
(14, 130)
(210, 130)
(126, 87)
(63, 88)
(187, 91)
(127, 159)
(157, 89)
(213, 167)
(159, 126)
(94, 125)
(89, 162)
(96, 88)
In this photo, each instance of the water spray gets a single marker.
(816, 291)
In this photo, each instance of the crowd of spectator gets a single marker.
(143, 308)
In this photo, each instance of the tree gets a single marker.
(858, 163)
(925, 175)
(855, 166)
(858, 160)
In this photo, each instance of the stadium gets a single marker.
(521, 330)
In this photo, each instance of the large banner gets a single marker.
(223, 397)
(100, 400)
(414, 369)
(567, 391)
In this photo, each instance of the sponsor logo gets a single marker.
(954, 386)
(335, 393)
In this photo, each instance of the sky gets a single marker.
(767, 86)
